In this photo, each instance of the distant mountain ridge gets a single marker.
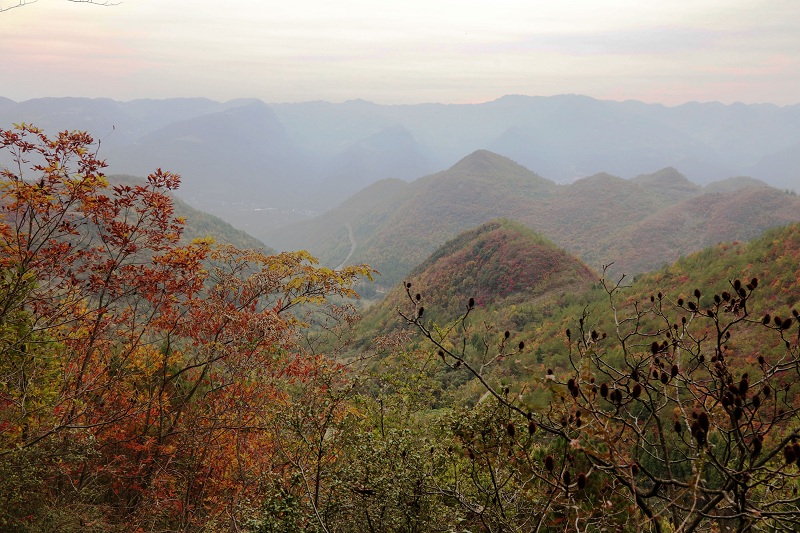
(260, 166)
(638, 225)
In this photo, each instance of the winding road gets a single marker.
(352, 246)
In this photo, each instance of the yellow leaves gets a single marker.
(294, 284)
(148, 360)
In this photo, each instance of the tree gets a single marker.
(137, 373)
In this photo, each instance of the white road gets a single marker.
(352, 246)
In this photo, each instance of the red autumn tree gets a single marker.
(136, 371)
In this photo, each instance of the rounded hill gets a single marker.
(499, 262)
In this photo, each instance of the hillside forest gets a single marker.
(162, 371)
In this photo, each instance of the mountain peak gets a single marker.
(486, 161)
(495, 261)
(668, 175)
(668, 181)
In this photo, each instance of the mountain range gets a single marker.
(633, 225)
(262, 166)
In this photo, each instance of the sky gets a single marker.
(414, 51)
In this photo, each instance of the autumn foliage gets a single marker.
(153, 384)
(138, 375)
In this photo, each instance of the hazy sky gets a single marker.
(454, 51)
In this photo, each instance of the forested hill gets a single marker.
(536, 292)
(771, 258)
(637, 224)
(499, 264)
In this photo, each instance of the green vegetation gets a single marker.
(150, 382)
(666, 405)
(638, 225)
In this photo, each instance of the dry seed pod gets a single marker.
(704, 422)
(744, 384)
(789, 455)
(654, 347)
(757, 444)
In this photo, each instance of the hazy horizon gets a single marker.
(417, 52)
(356, 98)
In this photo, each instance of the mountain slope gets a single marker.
(772, 258)
(199, 224)
(700, 222)
(499, 263)
(637, 225)
(239, 163)
(418, 218)
(389, 153)
(773, 167)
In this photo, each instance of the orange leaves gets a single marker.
(164, 180)
(167, 359)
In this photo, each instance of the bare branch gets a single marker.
(22, 3)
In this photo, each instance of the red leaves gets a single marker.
(159, 353)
